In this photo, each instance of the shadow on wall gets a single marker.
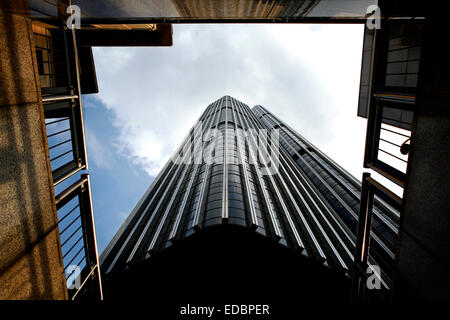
(30, 255)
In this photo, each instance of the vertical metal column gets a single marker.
(362, 238)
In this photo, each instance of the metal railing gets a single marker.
(389, 125)
(64, 134)
(362, 269)
(387, 146)
(395, 59)
(78, 241)
(61, 98)
(395, 55)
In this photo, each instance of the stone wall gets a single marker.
(30, 253)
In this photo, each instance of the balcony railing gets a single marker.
(387, 146)
(362, 267)
(58, 67)
(59, 77)
(391, 73)
(387, 149)
(78, 241)
(392, 60)
(65, 135)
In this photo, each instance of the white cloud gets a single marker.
(306, 74)
(99, 153)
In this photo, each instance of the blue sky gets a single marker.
(308, 75)
(116, 184)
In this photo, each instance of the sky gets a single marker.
(149, 97)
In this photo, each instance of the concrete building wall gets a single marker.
(30, 254)
(423, 266)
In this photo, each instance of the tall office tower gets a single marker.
(341, 191)
(240, 207)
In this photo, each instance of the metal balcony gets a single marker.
(58, 68)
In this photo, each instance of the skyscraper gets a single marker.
(246, 203)
(340, 190)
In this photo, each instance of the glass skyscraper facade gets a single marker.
(341, 191)
(244, 171)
